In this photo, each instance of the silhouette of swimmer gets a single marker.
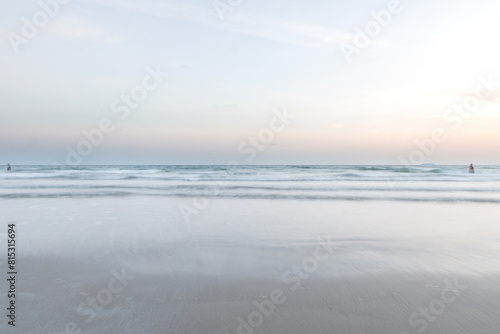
(471, 168)
(8, 167)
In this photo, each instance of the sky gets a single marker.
(252, 82)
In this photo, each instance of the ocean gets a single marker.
(335, 183)
(253, 249)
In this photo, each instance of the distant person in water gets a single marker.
(471, 168)
(8, 167)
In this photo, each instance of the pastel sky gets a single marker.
(231, 69)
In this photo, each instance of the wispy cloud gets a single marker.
(75, 28)
(240, 22)
(284, 31)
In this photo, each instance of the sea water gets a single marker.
(215, 239)
(334, 183)
(208, 213)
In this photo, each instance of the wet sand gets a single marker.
(133, 265)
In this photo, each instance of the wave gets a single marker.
(232, 187)
(350, 175)
(434, 183)
(436, 170)
(266, 196)
(65, 195)
(370, 168)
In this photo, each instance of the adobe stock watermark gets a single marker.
(372, 29)
(88, 310)
(222, 7)
(454, 117)
(31, 27)
(248, 148)
(293, 279)
(121, 107)
(420, 320)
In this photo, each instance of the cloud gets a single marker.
(265, 27)
(76, 28)
(284, 31)
(72, 27)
